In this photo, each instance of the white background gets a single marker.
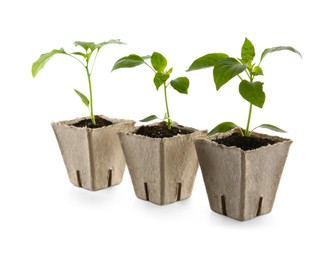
(43, 216)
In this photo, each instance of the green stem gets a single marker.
(167, 107)
(77, 59)
(247, 132)
(92, 116)
(92, 67)
(248, 121)
(150, 67)
(248, 74)
(89, 82)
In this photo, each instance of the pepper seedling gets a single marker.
(83, 58)
(159, 67)
(226, 68)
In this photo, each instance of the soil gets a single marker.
(161, 131)
(244, 142)
(100, 122)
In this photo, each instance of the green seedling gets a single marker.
(226, 68)
(159, 67)
(83, 58)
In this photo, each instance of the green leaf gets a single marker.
(93, 46)
(257, 71)
(149, 118)
(280, 48)
(160, 78)
(169, 71)
(270, 127)
(80, 54)
(158, 61)
(86, 45)
(206, 61)
(252, 92)
(223, 127)
(248, 52)
(166, 117)
(225, 70)
(84, 99)
(43, 59)
(100, 45)
(129, 61)
(180, 84)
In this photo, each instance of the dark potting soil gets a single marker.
(100, 122)
(161, 131)
(244, 142)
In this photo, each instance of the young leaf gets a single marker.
(100, 45)
(43, 59)
(252, 92)
(86, 45)
(80, 54)
(223, 127)
(149, 118)
(180, 84)
(166, 117)
(280, 48)
(160, 78)
(270, 127)
(248, 52)
(158, 61)
(225, 70)
(84, 99)
(169, 71)
(206, 61)
(129, 61)
(257, 71)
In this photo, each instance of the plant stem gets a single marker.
(89, 82)
(77, 59)
(150, 67)
(92, 116)
(247, 132)
(248, 74)
(167, 107)
(248, 121)
(92, 67)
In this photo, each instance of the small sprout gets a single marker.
(226, 68)
(150, 118)
(161, 75)
(83, 58)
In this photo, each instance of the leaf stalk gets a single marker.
(169, 122)
(91, 110)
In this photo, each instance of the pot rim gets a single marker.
(115, 122)
(195, 132)
(210, 139)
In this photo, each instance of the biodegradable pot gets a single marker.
(162, 170)
(93, 157)
(241, 184)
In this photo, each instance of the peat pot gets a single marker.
(241, 184)
(93, 156)
(162, 170)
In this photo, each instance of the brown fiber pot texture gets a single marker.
(241, 184)
(162, 170)
(93, 157)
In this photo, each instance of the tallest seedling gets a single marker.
(226, 68)
(91, 51)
